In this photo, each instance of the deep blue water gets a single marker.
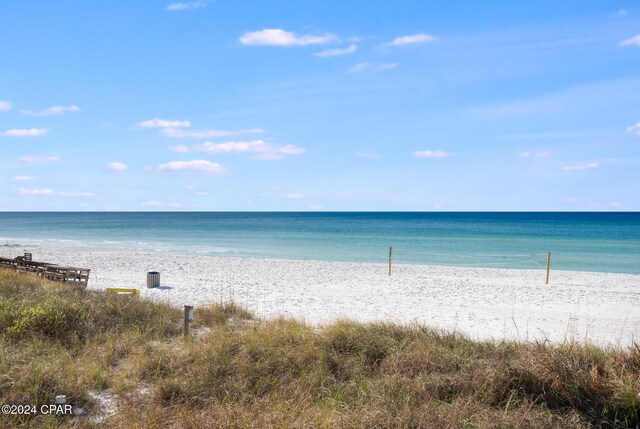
(578, 241)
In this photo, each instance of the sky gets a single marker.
(334, 105)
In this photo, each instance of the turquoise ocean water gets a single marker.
(578, 241)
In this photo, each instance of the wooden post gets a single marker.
(548, 265)
(389, 260)
(188, 314)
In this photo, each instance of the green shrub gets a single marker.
(54, 318)
(7, 314)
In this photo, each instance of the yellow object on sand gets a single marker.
(123, 290)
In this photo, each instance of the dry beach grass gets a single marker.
(239, 371)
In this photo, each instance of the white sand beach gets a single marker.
(484, 303)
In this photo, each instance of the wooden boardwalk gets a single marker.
(47, 271)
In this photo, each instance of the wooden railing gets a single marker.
(46, 270)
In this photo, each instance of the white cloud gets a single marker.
(52, 111)
(29, 132)
(315, 207)
(150, 204)
(163, 123)
(294, 196)
(48, 192)
(32, 159)
(431, 154)
(535, 154)
(115, 166)
(622, 13)
(202, 194)
(251, 146)
(634, 41)
(186, 5)
(372, 67)
(36, 192)
(175, 205)
(278, 37)
(367, 154)
(5, 106)
(177, 129)
(195, 166)
(22, 179)
(634, 129)
(261, 150)
(616, 204)
(200, 134)
(579, 167)
(409, 40)
(337, 52)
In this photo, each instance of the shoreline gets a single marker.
(482, 303)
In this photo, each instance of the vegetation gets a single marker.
(235, 371)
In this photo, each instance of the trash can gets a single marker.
(153, 279)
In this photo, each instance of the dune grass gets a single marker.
(237, 371)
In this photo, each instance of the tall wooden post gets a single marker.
(389, 260)
(188, 316)
(548, 265)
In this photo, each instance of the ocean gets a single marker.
(608, 242)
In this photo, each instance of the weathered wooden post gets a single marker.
(389, 260)
(548, 265)
(188, 317)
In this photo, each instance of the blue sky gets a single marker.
(333, 105)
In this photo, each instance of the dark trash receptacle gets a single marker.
(153, 279)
